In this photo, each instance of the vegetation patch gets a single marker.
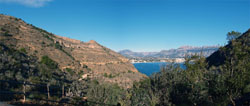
(84, 66)
(5, 32)
(59, 47)
(49, 62)
(23, 50)
(105, 75)
(110, 75)
(48, 37)
(129, 71)
(46, 34)
(106, 94)
(95, 82)
(80, 73)
(70, 71)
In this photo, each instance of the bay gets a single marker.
(150, 68)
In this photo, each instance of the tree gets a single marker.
(233, 35)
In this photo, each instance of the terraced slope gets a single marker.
(95, 60)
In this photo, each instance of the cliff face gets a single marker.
(95, 60)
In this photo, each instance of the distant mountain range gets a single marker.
(180, 52)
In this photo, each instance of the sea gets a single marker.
(150, 68)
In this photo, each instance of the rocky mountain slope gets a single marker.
(17, 66)
(91, 58)
(172, 53)
(237, 50)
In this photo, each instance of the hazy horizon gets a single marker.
(137, 25)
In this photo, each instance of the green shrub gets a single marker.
(43, 43)
(108, 75)
(49, 62)
(80, 73)
(34, 79)
(48, 37)
(107, 94)
(95, 82)
(111, 76)
(70, 71)
(84, 66)
(23, 50)
(105, 75)
(58, 46)
(2, 29)
(6, 33)
(129, 71)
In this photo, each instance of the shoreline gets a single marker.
(149, 62)
(155, 62)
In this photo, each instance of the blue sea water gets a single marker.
(150, 68)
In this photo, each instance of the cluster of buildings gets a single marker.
(175, 60)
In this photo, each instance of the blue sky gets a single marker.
(138, 25)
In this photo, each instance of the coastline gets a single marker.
(149, 62)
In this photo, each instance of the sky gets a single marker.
(138, 25)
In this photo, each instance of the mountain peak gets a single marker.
(92, 41)
(126, 50)
(186, 47)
